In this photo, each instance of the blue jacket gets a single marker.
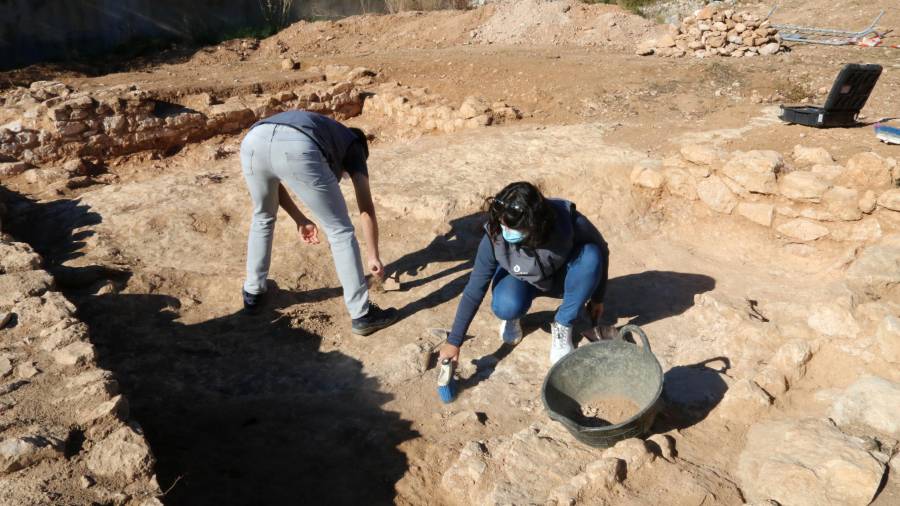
(486, 265)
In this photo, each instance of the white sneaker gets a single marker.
(560, 342)
(511, 331)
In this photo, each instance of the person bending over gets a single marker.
(309, 153)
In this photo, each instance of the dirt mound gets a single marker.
(538, 22)
(526, 22)
(371, 32)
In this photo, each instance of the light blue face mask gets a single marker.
(511, 235)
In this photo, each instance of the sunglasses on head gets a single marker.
(512, 210)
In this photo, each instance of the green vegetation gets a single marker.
(394, 6)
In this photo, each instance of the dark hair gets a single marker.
(521, 206)
(361, 137)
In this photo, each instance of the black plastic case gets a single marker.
(849, 94)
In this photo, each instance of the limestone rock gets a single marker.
(75, 168)
(716, 195)
(871, 401)
(466, 472)
(665, 40)
(744, 400)
(803, 230)
(633, 452)
(771, 380)
(62, 333)
(10, 169)
(770, 49)
(21, 285)
(761, 213)
(866, 171)
(701, 154)
(123, 454)
(664, 445)
(647, 177)
(520, 469)
(832, 321)
(77, 353)
(289, 64)
(117, 407)
(807, 463)
(890, 199)
(21, 452)
(606, 471)
(645, 49)
(888, 338)
(755, 170)
(804, 186)
(827, 172)
(812, 156)
(6, 366)
(472, 107)
(791, 359)
(17, 257)
(843, 203)
(868, 230)
(876, 271)
(680, 183)
(26, 370)
(867, 202)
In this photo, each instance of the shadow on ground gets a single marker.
(246, 410)
(459, 244)
(643, 298)
(237, 409)
(691, 392)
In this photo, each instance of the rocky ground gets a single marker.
(762, 259)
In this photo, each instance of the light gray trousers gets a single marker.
(275, 153)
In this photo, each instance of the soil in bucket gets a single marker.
(602, 411)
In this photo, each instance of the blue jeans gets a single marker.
(575, 284)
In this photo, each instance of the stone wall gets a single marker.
(65, 433)
(55, 122)
(415, 108)
(805, 198)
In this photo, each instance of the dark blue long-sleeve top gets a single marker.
(486, 266)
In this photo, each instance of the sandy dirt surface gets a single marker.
(754, 327)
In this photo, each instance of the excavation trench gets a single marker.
(236, 409)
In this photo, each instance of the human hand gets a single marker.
(448, 351)
(309, 233)
(376, 268)
(595, 309)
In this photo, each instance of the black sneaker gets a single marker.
(375, 320)
(253, 303)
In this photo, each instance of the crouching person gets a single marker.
(534, 246)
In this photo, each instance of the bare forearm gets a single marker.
(370, 233)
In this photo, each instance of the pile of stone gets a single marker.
(809, 199)
(716, 31)
(65, 433)
(419, 110)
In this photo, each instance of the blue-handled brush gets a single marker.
(446, 381)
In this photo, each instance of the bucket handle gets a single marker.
(634, 329)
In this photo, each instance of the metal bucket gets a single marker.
(606, 368)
